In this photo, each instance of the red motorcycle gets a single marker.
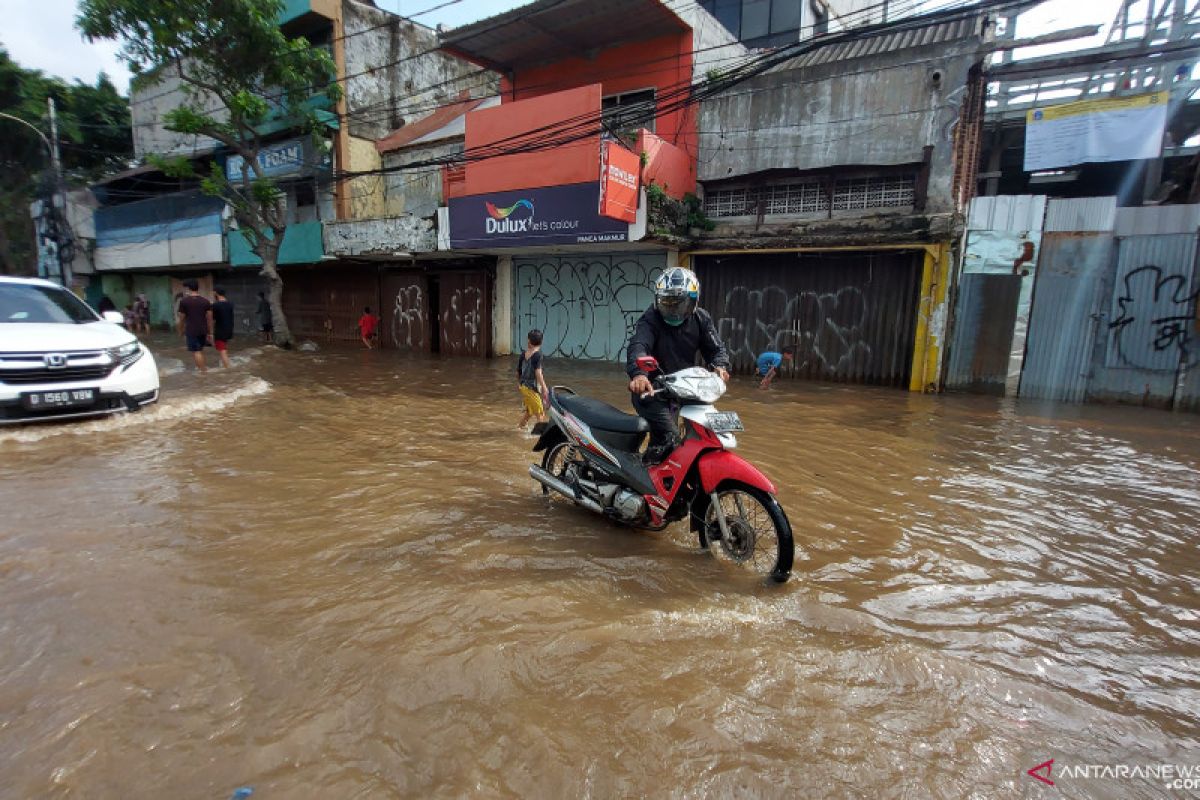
(591, 457)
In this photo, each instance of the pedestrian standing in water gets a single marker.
(530, 380)
(769, 364)
(222, 312)
(367, 325)
(266, 324)
(141, 314)
(195, 322)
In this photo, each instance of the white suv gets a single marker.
(59, 358)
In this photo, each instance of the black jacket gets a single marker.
(675, 346)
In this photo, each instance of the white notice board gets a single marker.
(1109, 129)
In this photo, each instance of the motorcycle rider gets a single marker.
(672, 330)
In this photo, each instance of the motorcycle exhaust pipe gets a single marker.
(549, 481)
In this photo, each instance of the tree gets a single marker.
(94, 131)
(239, 72)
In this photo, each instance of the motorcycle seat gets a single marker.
(602, 416)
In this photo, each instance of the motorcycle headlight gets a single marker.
(126, 353)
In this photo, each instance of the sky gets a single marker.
(40, 34)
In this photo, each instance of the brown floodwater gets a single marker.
(329, 575)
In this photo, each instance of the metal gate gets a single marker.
(585, 305)
(984, 326)
(464, 314)
(851, 316)
(995, 291)
(327, 303)
(1066, 315)
(405, 311)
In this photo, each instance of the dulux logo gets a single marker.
(500, 219)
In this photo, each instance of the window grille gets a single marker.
(810, 197)
(851, 194)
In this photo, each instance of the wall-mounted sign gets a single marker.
(619, 179)
(277, 160)
(1108, 129)
(532, 217)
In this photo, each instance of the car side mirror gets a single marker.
(115, 317)
(647, 364)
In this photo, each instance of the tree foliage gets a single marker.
(240, 72)
(95, 136)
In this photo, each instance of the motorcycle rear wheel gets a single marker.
(556, 460)
(760, 532)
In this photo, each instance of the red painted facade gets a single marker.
(549, 96)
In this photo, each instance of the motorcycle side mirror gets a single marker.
(647, 364)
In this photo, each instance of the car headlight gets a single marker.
(126, 353)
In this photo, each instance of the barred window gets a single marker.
(729, 202)
(883, 192)
(810, 197)
(795, 198)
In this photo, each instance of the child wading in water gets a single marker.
(530, 380)
(367, 324)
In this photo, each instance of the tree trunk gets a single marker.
(270, 258)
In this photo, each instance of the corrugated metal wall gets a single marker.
(983, 326)
(585, 305)
(1115, 316)
(851, 316)
(1066, 311)
(1150, 320)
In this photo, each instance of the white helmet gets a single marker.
(676, 294)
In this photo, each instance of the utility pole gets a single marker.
(64, 270)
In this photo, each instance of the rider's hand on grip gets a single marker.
(640, 385)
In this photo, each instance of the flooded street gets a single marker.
(329, 575)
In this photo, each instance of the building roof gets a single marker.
(547, 31)
(934, 31)
(447, 122)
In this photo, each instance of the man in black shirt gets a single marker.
(195, 322)
(673, 330)
(222, 312)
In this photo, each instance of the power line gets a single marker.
(677, 98)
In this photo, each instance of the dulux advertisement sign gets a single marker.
(552, 215)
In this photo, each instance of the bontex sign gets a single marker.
(552, 215)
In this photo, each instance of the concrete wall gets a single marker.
(417, 192)
(877, 110)
(713, 46)
(366, 193)
(410, 85)
(851, 13)
(385, 236)
(150, 100)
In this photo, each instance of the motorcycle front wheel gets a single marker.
(760, 536)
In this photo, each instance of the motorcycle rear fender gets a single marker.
(551, 436)
(718, 466)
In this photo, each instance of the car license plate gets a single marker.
(725, 422)
(67, 398)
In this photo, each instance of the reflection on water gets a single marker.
(328, 574)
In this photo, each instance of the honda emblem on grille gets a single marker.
(55, 360)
